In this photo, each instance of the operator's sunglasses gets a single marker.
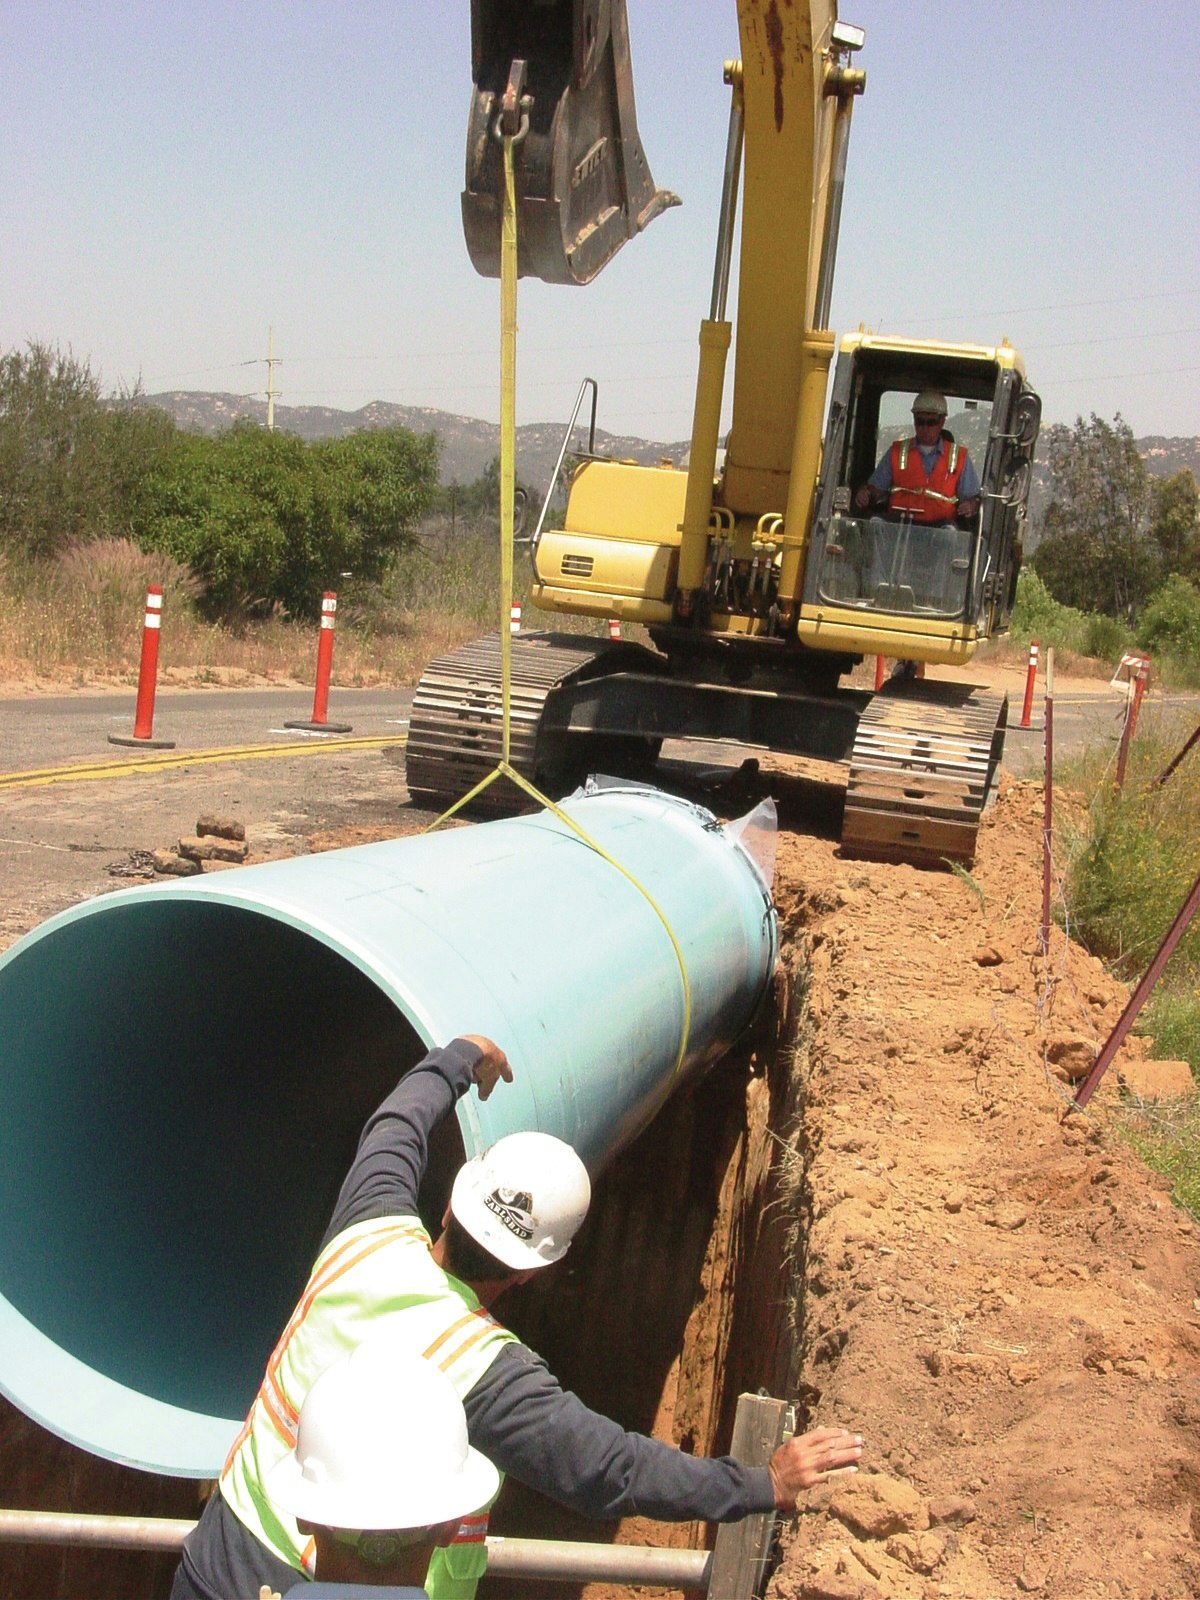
(927, 422)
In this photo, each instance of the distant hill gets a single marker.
(468, 444)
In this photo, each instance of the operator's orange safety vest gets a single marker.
(926, 499)
(375, 1275)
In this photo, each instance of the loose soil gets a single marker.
(993, 1290)
(998, 1295)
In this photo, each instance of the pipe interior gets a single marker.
(116, 1232)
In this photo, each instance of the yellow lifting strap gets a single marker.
(508, 452)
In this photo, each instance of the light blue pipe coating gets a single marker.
(185, 1067)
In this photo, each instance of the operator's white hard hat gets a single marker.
(930, 400)
(523, 1199)
(382, 1444)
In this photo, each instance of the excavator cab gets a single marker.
(953, 579)
(583, 182)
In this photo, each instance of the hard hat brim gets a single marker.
(384, 1506)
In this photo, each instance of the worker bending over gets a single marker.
(927, 477)
(381, 1474)
(513, 1211)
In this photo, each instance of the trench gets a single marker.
(682, 1290)
(677, 1295)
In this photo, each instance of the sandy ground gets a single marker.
(1000, 1297)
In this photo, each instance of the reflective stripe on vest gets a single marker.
(926, 497)
(374, 1276)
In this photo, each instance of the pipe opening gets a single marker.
(195, 1017)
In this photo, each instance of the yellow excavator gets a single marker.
(763, 573)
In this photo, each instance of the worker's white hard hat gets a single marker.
(523, 1199)
(930, 400)
(382, 1444)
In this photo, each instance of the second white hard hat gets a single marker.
(523, 1199)
(382, 1444)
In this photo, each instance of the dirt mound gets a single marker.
(998, 1295)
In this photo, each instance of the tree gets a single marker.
(1095, 553)
(69, 460)
(1170, 624)
(1175, 524)
(265, 519)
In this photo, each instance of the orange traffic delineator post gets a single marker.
(143, 716)
(319, 722)
(514, 617)
(1030, 678)
(878, 673)
(614, 628)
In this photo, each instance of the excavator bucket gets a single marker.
(583, 182)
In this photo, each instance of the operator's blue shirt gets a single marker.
(968, 483)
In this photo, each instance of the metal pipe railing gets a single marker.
(536, 539)
(550, 1560)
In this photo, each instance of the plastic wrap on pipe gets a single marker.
(185, 1068)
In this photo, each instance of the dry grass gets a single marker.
(77, 621)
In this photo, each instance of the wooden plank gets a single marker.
(741, 1550)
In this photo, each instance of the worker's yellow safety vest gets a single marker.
(374, 1276)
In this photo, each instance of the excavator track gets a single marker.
(455, 730)
(922, 767)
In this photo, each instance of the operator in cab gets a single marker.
(929, 477)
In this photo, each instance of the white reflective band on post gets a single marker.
(329, 605)
(154, 602)
(327, 622)
(153, 620)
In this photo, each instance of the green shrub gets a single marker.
(268, 521)
(1038, 615)
(1105, 638)
(1170, 624)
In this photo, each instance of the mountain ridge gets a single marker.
(469, 444)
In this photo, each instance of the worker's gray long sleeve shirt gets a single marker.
(518, 1414)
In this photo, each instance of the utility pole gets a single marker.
(271, 380)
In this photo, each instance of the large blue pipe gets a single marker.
(184, 1069)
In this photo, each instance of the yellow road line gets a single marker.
(167, 760)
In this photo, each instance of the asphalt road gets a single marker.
(82, 827)
(43, 730)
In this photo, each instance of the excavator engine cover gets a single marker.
(583, 182)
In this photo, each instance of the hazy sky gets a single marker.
(176, 177)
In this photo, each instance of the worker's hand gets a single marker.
(491, 1066)
(809, 1458)
(863, 498)
(968, 508)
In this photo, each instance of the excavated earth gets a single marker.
(883, 1208)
